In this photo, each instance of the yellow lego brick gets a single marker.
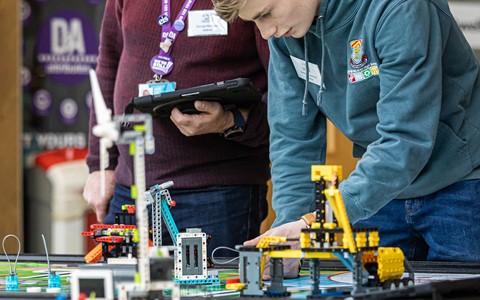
(287, 253)
(361, 239)
(320, 255)
(326, 171)
(235, 286)
(133, 191)
(329, 225)
(131, 149)
(139, 127)
(373, 239)
(267, 240)
(390, 263)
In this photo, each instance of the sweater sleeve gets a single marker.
(408, 108)
(297, 141)
(107, 64)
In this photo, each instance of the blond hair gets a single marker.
(228, 9)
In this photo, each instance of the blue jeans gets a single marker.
(231, 214)
(443, 226)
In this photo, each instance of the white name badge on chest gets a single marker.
(314, 75)
(205, 23)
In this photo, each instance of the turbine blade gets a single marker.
(102, 113)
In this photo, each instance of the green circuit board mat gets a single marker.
(34, 274)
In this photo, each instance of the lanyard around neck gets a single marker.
(170, 31)
(162, 64)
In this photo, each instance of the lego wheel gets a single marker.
(407, 281)
(390, 285)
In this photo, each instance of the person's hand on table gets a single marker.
(290, 231)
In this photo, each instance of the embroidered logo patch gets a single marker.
(361, 68)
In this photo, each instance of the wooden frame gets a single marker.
(11, 203)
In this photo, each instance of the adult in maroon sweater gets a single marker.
(219, 184)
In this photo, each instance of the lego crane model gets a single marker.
(159, 197)
(191, 260)
(331, 236)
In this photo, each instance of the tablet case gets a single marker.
(239, 92)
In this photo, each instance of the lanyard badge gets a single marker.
(162, 64)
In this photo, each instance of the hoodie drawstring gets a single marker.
(307, 69)
(307, 74)
(322, 64)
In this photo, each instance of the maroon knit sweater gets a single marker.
(129, 38)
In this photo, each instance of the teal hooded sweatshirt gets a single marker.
(398, 79)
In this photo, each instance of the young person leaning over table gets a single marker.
(398, 78)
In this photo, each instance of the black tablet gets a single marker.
(239, 92)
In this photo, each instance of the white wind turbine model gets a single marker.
(105, 128)
(108, 130)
